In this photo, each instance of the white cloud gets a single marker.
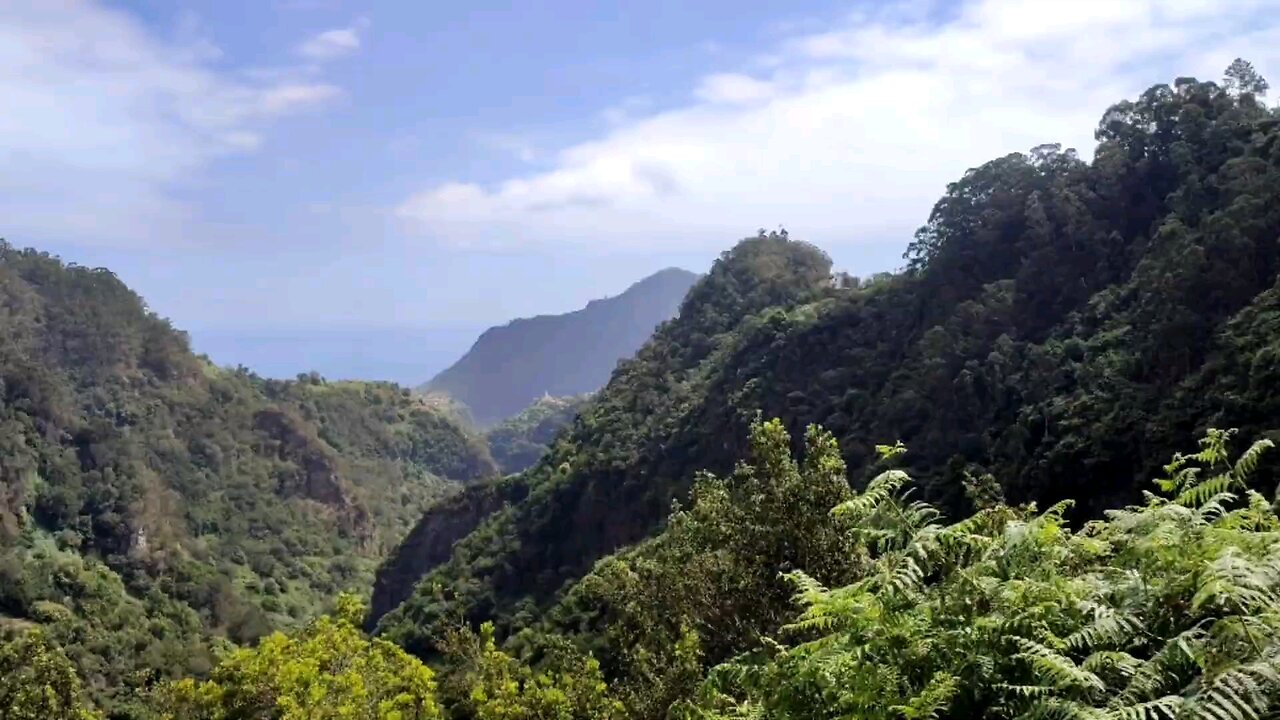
(332, 44)
(285, 98)
(513, 144)
(102, 119)
(733, 88)
(627, 110)
(850, 134)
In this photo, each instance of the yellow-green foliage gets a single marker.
(328, 671)
(37, 682)
(488, 684)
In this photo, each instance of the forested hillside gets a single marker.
(511, 366)
(961, 490)
(1062, 327)
(521, 440)
(151, 503)
(610, 479)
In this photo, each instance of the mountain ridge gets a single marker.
(512, 365)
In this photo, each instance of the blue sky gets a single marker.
(360, 187)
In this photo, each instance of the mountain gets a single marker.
(959, 490)
(152, 504)
(606, 481)
(1061, 329)
(510, 366)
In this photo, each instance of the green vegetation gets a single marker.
(1061, 330)
(488, 684)
(1061, 326)
(511, 366)
(520, 441)
(37, 682)
(604, 484)
(1165, 610)
(707, 587)
(153, 506)
(328, 671)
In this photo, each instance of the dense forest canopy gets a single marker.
(153, 505)
(922, 495)
(521, 440)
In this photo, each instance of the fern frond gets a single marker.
(1122, 663)
(1214, 507)
(1027, 691)
(1213, 446)
(1168, 668)
(1109, 629)
(878, 491)
(1056, 512)
(1248, 460)
(900, 575)
(1197, 494)
(1053, 668)
(1234, 581)
(1060, 709)
(1232, 695)
(1164, 708)
(919, 515)
(807, 590)
(933, 699)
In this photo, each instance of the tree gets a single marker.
(1240, 77)
(710, 585)
(328, 671)
(486, 683)
(37, 682)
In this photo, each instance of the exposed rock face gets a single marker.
(431, 541)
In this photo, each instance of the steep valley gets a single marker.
(969, 488)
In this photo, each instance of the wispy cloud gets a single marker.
(102, 118)
(332, 44)
(733, 88)
(286, 98)
(512, 144)
(630, 108)
(849, 134)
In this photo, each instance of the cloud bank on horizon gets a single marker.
(850, 134)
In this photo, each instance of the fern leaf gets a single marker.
(1056, 669)
(933, 699)
(1248, 461)
(878, 491)
(1164, 708)
(1109, 629)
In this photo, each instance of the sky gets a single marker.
(361, 187)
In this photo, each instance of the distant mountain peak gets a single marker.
(510, 366)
